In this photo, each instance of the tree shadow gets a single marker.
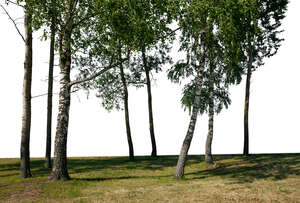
(77, 165)
(36, 166)
(105, 179)
(237, 167)
(247, 169)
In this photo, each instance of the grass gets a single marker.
(257, 178)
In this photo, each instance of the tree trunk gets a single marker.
(151, 124)
(246, 111)
(247, 96)
(60, 170)
(189, 135)
(208, 155)
(50, 93)
(128, 132)
(26, 118)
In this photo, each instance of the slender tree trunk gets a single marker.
(208, 155)
(151, 124)
(59, 169)
(246, 111)
(128, 132)
(247, 97)
(189, 135)
(26, 118)
(50, 93)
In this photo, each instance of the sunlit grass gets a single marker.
(258, 178)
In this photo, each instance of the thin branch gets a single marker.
(19, 18)
(137, 83)
(13, 3)
(110, 66)
(82, 20)
(13, 22)
(41, 95)
(168, 34)
(74, 7)
(46, 94)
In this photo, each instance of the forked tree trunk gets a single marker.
(208, 155)
(150, 111)
(247, 97)
(59, 169)
(189, 135)
(128, 131)
(50, 93)
(26, 117)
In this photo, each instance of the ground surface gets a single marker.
(258, 178)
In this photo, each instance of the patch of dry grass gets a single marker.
(258, 178)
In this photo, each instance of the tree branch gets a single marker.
(13, 3)
(46, 94)
(110, 66)
(13, 22)
(137, 83)
(82, 20)
(168, 34)
(74, 6)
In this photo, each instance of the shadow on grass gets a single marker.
(122, 163)
(241, 169)
(106, 178)
(12, 169)
(247, 169)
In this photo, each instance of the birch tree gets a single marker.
(197, 19)
(25, 171)
(151, 38)
(214, 92)
(50, 84)
(262, 24)
(80, 21)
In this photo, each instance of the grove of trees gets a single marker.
(112, 44)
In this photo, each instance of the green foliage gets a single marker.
(109, 86)
(221, 97)
(266, 41)
(232, 29)
(137, 25)
(215, 22)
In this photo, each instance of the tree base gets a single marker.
(211, 166)
(179, 171)
(153, 154)
(47, 164)
(26, 174)
(209, 159)
(56, 176)
(178, 177)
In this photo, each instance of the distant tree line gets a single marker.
(115, 44)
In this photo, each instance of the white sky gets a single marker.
(274, 106)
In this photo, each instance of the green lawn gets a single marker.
(259, 178)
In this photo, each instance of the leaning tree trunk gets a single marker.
(50, 93)
(59, 169)
(246, 108)
(128, 132)
(151, 124)
(208, 155)
(189, 135)
(26, 118)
